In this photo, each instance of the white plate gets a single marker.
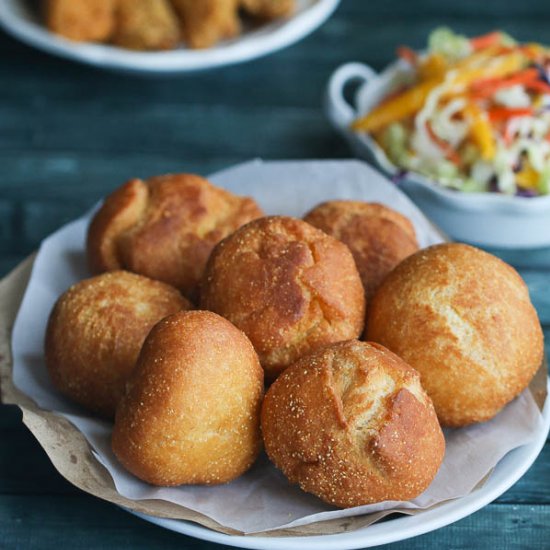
(19, 20)
(506, 473)
(59, 263)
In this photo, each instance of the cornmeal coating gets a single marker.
(165, 228)
(290, 287)
(464, 320)
(95, 333)
(378, 237)
(351, 424)
(192, 411)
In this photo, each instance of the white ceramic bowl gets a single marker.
(486, 219)
(18, 19)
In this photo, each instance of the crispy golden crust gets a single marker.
(96, 330)
(351, 424)
(207, 22)
(146, 25)
(165, 228)
(290, 287)
(268, 9)
(464, 320)
(192, 410)
(378, 237)
(81, 20)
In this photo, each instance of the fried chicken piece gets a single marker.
(81, 20)
(146, 25)
(206, 22)
(268, 9)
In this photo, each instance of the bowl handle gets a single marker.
(339, 111)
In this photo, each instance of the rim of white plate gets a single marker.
(268, 39)
(507, 472)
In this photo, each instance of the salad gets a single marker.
(474, 114)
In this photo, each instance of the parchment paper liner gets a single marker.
(72, 455)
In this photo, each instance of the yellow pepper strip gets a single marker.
(534, 51)
(501, 67)
(396, 108)
(480, 131)
(433, 66)
(476, 59)
(467, 70)
(528, 178)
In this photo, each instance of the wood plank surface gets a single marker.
(69, 134)
(79, 522)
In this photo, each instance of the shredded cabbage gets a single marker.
(507, 40)
(449, 44)
(476, 118)
(482, 172)
(472, 185)
(514, 96)
(395, 142)
(445, 126)
(544, 182)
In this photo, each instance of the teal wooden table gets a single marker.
(69, 134)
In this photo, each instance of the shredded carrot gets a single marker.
(408, 54)
(502, 50)
(447, 149)
(485, 40)
(533, 52)
(508, 135)
(487, 87)
(483, 65)
(503, 113)
(538, 86)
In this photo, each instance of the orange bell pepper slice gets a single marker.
(401, 106)
(486, 40)
(503, 113)
(481, 131)
(487, 87)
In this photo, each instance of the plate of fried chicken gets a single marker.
(162, 36)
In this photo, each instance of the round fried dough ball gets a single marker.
(191, 414)
(378, 237)
(290, 287)
(463, 319)
(351, 424)
(95, 332)
(165, 228)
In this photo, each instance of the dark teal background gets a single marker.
(69, 134)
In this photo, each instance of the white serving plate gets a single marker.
(361, 181)
(19, 20)
(486, 219)
(507, 472)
